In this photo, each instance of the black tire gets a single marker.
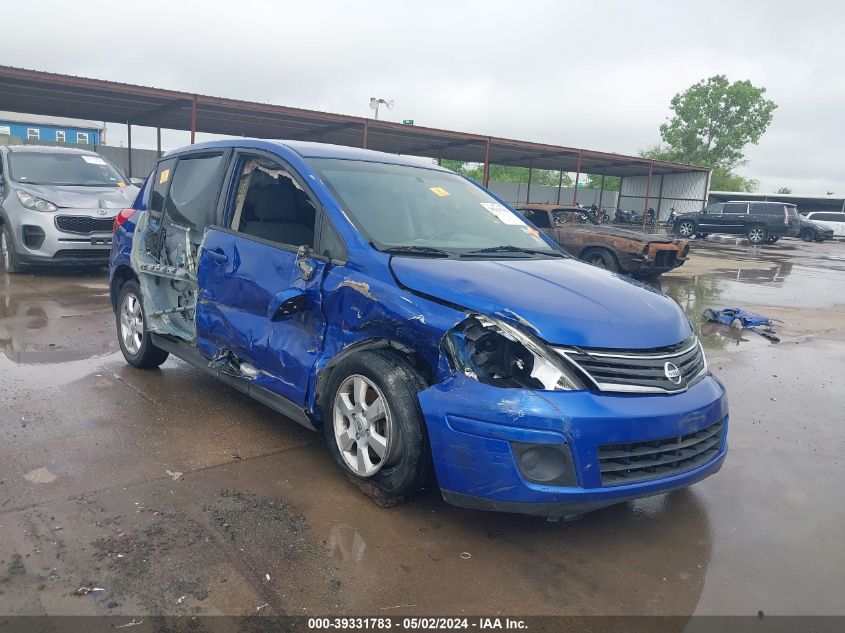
(807, 235)
(773, 239)
(600, 258)
(757, 234)
(407, 468)
(8, 257)
(148, 356)
(685, 228)
(819, 240)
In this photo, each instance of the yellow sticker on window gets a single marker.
(120, 183)
(164, 176)
(439, 191)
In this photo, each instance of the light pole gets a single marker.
(376, 102)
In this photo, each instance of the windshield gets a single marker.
(425, 210)
(45, 168)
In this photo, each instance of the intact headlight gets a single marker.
(496, 353)
(32, 202)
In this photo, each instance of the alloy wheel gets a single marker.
(755, 235)
(598, 260)
(4, 247)
(686, 229)
(363, 427)
(131, 324)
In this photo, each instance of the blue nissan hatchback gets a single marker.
(417, 321)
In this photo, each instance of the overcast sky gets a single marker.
(596, 75)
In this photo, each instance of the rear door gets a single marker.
(259, 292)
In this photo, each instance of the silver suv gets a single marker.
(57, 205)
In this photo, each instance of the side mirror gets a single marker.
(286, 303)
(138, 182)
(305, 266)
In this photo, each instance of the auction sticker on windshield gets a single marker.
(93, 160)
(439, 191)
(501, 213)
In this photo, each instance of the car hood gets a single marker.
(563, 301)
(617, 232)
(80, 197)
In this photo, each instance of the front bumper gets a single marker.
(53, 246)
(659, 258)
(472, 426)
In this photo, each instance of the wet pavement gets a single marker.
(165, 492)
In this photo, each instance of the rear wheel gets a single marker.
(373, 424)
(807, 235)
(132, 333)
(601, 258)
(7, 249)
(773, 239)
(686, 228)
(757, 234)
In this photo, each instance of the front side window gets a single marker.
(193, 192)
(404, 207)
(46, 168)
(735, 208)
(33, 134)
(270, 204)
(713, 208)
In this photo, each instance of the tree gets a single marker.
(714, 120)
(611, 183)
(784, 190)
(721, 179)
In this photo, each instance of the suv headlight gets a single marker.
(32, 202)
(496, 353)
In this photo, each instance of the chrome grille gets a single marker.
(640, 371)
(640, 461)
(84, 225)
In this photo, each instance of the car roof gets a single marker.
(307, 149)
(48, 149)
(789, 204)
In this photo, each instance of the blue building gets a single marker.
(49, 129)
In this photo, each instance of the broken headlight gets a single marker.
(493, 352)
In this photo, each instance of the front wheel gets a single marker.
(601, 258)
(7, 248)
(757, 234)
(132, 333)
(686, 228)
(373, 424)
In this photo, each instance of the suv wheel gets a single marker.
(7, 250)
(601, 258)
(132, 333)
(807, 235)
(686, 228)
(773, 239)
(757, 234)
(373, 425)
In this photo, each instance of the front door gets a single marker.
(259, 300)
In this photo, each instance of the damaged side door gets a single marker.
(167, 238)
(259, 312)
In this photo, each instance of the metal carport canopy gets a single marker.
(38, 92)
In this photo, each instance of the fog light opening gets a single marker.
(545, 463)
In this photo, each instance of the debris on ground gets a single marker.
(739, 319)
(175, 475)
(84, 591)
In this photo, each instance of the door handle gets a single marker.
(220, 258)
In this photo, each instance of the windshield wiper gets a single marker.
(511, 249)
(423, 251)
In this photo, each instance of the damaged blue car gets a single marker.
(431, 333)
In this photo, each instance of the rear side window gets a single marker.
(767, 209)
(836, 217)
(161, 182)
(735, 208)
(193, 193)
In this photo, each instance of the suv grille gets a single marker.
(667, 369)
(641, 461)
(82, 224)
